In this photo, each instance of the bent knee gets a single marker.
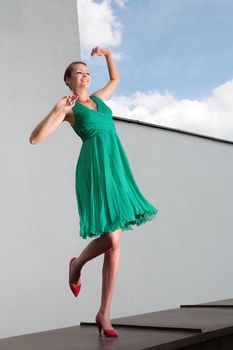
(114, 239)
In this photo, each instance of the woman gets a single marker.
(108, 197)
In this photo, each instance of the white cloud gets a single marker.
(98, 26)
(121, 3)
(117, 56)
(212, 116)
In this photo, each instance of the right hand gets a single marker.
(66, 103)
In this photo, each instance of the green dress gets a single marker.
(107, 195)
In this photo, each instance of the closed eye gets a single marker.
(81, 73)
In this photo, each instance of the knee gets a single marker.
(113, 239)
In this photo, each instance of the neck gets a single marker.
(82, 94)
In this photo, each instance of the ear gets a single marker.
(67, 83)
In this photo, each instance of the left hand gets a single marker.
(97, 51)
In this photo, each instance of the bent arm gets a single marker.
(53, 119)
(47, 125)
(114, 76)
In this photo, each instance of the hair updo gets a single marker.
(69, 70)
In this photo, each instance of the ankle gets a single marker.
(78, 264)
(104, 313)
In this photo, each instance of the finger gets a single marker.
(74, 99)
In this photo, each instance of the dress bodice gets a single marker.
(87, 121)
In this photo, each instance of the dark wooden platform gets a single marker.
(207, 326)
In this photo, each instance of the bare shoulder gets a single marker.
(107, 90)
(69, 117)
(99, 95)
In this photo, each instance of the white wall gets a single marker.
(183, 256)
(38, 228)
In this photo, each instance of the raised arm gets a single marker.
(53, 119)
(114, 75)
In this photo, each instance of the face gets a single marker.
(80, 77)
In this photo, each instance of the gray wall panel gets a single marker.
(38, 227)
(185, 254)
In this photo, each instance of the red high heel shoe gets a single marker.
(107, 332)
(74, 287)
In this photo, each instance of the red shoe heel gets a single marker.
(107, 332)
(75, 288)
(99, 325)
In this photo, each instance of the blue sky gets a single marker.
(181, 46)
(179, 49)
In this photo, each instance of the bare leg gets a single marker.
(109, 274)
(93, 249)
